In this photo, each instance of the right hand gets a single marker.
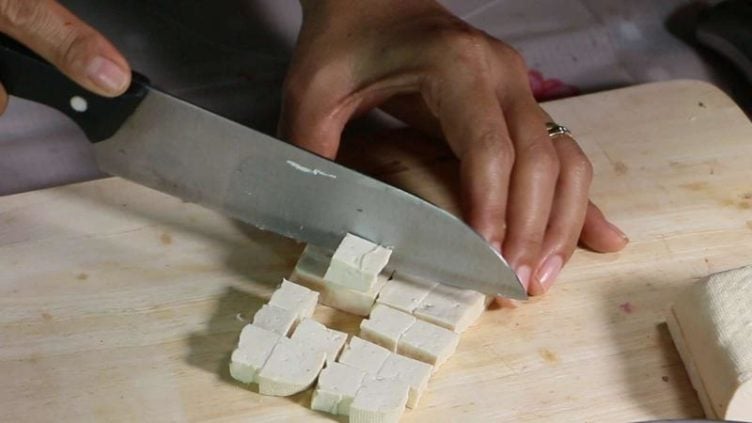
(75, 48)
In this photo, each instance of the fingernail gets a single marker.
(548, 272)
(106, 74)
(507, 302)
(523, 274)
(618, 231)
(496, 246)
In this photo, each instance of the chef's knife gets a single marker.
(162, 142)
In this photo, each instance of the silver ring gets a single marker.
(554, 130)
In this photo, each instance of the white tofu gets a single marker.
(413, 372)
(350, 300)
(254, 348)
(385, 325)
(291, 368)
(379, 400)
(311, 268)
(452, 308)
(298, 299)
(404, 294)
(364, 355)
(319, 337)
(276, 319)
(338, 383)
(356, 263)
(428, 343)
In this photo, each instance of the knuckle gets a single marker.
(581, 168)
(466, 45)
(492, 141)
(73, 48)
(543, 157)
(21, 14)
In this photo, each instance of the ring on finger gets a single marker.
(555, 130)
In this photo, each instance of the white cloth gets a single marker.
(230, 56)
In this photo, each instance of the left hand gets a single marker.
(524, 192)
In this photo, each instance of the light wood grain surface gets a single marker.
(118, 303)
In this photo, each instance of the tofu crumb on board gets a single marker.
(364, 355)
(296, 298)
(414, 373)
(379, 400)
(291, 368)
(428, 343)
(385, 326)
(404, 294)
(452, 308)
(276, 319)
(254, 348)
(356, 263)
(319, 337)
(337, 385)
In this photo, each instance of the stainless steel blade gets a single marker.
(175, 147)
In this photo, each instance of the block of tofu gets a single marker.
(385, 326)
(356, 263)
(364, 355)
(338, 383)
(311, 268)
(379, 400)
(296, 298)
(404, 293)
(254, 348)
(428, 343)
(291, 368)
(711, 324)
(350, 300)
(276, 319)
(413, 372)
(319, 337)
(453, 308)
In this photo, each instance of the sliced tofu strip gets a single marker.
(364, 355)
(254, 348)
(311, 268)
(319, 337)
(452, 308)
(291, 368)
(379, 400)
(276, 319)
(356, 263)
(413, 372)
(350, 300)
(428, 343)
(385, 326)
(296, 298)
(404, 294)
(338, 383)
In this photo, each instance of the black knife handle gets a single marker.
(26, 75)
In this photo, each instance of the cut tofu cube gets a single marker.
(404, 294)
(452, 308)
(364, 355)
(336, 389)
(254, 348)
(311, 268)
(350, 300)
(379, 400)
(321, 338)
(276, 319)
(385, 325)
(298, 299)
(413, 372)
(356, 263)
(428, 343)
(291, 368)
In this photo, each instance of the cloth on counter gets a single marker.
(231, 56)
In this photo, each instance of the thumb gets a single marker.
(74, 47)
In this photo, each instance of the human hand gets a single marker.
(78, 50)
(526, 193)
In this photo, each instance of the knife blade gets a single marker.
(154, 139)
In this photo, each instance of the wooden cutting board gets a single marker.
(118, 303)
